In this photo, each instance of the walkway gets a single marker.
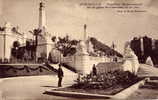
(148, 91)
(147, 71)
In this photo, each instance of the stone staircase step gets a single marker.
(154, 78)
(146, 86)
(153, 83)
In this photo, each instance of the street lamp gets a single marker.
(4, 46)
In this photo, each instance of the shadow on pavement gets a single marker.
(50, 86)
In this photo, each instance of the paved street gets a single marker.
(29, 88)
(33, 87)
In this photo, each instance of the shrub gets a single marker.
(105, 80)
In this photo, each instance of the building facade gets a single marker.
(8, 35)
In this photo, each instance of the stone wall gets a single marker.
(83, 63)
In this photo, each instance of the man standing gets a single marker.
(60, 75)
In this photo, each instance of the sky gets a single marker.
(67, 17)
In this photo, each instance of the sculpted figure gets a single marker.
(81, 48)
(131, 63)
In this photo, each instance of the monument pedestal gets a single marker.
(82, 64)
(44, 46)
(131, 63)
(82, 60)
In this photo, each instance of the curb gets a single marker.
(121, 95)
(128, 91)
(77, 95)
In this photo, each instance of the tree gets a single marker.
(15, 29)
(54, 38)
(147, 46)
(65, 45)
(15, 49)
(99, 46)
(28, 45)
(36, 33)
(30, 50)
(2, 28)
(20, 54)
(135, 45)
(16, 44)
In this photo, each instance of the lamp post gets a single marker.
(142, 46)
(60, 54)
(4, 47)
(85, 32)
(114, 54)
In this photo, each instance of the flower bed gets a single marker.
(105, 83)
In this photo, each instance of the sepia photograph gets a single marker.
(78, 49)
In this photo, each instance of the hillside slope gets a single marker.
(103, 47)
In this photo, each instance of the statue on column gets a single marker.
(82, 45)
(131, 63)
(82, 48)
